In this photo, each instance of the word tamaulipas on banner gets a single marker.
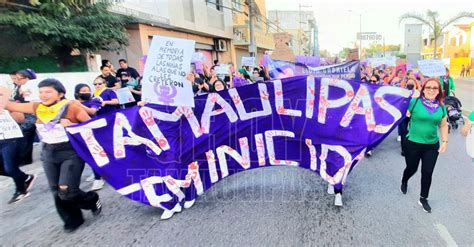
(161, 155)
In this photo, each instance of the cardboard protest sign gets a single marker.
(432, 67)
(124, 96)
(9, 129)
(248, 61)
(168, 62)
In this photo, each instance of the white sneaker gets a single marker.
(189, 204)
(330, 189)
(90, 178)
(338, 200)
(97, 184)
(169, 213)
(399, 138)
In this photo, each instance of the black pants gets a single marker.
(63, 169)
(26, 154)
(10, 160)
(428, 154)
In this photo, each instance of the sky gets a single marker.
(338, 20)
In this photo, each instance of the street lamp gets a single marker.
(300, 39)
(360, 33)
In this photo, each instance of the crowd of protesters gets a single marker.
(418, 132)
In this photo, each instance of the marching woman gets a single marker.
(62, 165)
(109, 103)
(427, 114)
(83, 93)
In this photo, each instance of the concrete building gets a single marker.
(209, 23)
(412, 44)
(241, 32)
(302, 26)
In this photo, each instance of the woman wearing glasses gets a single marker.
(109, 97)
(427, 114)
(109, 103)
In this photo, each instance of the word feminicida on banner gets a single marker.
(161, 155)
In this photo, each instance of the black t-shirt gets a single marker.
(110, 80)
(131, 71)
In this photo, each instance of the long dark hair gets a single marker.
(440, 96)
(78, 88)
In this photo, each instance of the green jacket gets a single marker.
(451, 86)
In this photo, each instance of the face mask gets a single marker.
(85, 96)
(410, 86)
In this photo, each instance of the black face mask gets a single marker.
(85, 96)
(410, 86)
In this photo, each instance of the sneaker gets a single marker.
(97, 184)
(369, 153)
(399, 138)
(330, 189)
(424, 204)
(169, 213)
(29, 182)
(98, 208)
(18, 196)
(338, 200)
(90, 178)
(403, 188)
(71, 228)
(189, 204)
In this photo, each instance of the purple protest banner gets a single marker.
(162, 155)
(284, 69)
(312, 61)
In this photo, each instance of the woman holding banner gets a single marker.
(62, 165)
(427, 114)
(110, 103)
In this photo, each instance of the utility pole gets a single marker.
(252, 45)
(299, 30)
(383, 46)
(360, 37)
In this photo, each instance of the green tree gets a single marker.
(61, 27)
(378, 48)
(431, 19)
(345, 51)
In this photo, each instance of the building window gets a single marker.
(217, 4)
(237, 4)
(453, 42)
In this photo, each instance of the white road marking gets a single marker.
(444, 233)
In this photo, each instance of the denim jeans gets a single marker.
(63, 169)
(10, 161)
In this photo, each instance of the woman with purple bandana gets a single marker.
(427, 114)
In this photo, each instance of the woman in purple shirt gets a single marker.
(109, 97)
(83, 93)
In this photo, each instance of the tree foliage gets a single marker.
(379, 48)
(431, 19)
(59, 27)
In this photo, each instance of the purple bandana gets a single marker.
(430, 105)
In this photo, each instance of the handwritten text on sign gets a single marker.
(8, 127)
(431, 67)
(168, 62)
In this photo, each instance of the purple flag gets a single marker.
(162, 155)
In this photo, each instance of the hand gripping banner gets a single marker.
(162, 155)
